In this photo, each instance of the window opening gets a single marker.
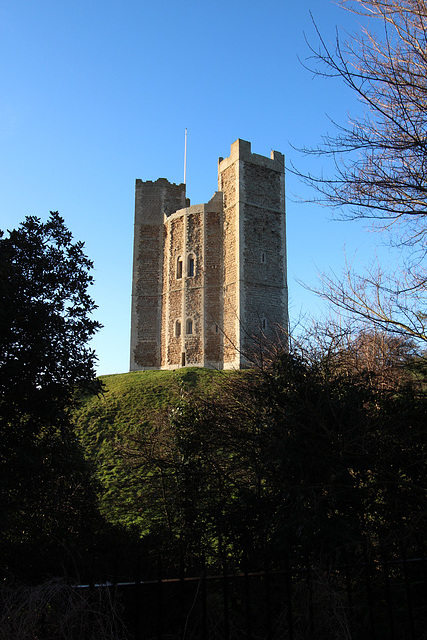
(177, 328)
(190, 267)
(179, 268)
(264, 323)
(189, 327)
(183, 359)
(262, 257)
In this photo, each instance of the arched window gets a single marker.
(189, 327)
(190, 269)
(179, 267)
(178, 328)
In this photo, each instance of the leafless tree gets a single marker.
(388, 301)
(343, 346)
(381, 156)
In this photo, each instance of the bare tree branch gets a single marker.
(380, 158)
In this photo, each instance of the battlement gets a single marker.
(241, 150)
(153, 200)
(214, 204)
(158, 182)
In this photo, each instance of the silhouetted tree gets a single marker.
(44, 359)
(321, 448)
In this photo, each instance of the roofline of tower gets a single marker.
(241, 150)
(159, 180)
(214, 204)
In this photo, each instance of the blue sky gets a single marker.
(96, 94)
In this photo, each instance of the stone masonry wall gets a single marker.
(153, 200)
(213, 288)
(194, 352)
(209, 278)
(228, 183)
(173, 292)
(263, 273)
(183, 295)
(147, 301)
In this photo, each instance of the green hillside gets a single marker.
(109, 427)
(302, 451)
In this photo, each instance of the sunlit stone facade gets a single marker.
(209, 280)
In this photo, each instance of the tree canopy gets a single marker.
(45, 319)
(45, 325)
(321, 448)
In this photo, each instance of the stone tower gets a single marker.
(209, 280)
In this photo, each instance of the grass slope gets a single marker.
(107, 426)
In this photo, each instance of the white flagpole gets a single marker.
(185, 158)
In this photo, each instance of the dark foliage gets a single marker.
(319, 451)
(44, 321)
(44, 328)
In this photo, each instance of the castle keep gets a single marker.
(209, 280)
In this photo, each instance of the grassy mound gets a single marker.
(108, 427)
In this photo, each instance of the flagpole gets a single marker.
(185, 157)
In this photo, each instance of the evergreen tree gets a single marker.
(45, 325)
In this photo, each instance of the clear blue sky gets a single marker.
(95, 94)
